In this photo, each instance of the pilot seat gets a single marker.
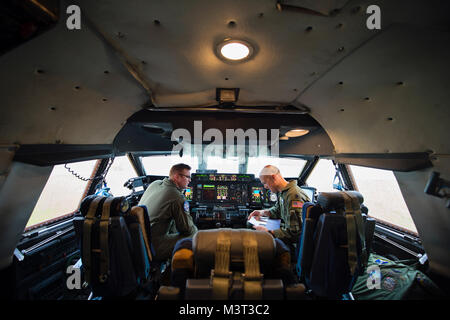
(231, 264)
(334, 244)
(115, 243)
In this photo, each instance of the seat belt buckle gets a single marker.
(258, 277)
(213, 275)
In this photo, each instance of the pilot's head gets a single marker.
(270, 177)
(180, 174)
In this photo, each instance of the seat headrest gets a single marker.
(331, 201)
(205, 242)
(120, 205)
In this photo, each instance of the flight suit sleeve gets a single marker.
(293, 223)
(183, 220)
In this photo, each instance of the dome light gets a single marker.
(296, 133)
(235, 50)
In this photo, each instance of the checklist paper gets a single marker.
(270, 224)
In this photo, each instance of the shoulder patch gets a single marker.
(296, 204)
(389, 283)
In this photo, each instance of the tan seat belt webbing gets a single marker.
(221, 274)
(360, 226)
(87, 228)
(139, 212)
(252, 276)
(104, 247)
(351, 233)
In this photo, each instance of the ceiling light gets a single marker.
(296, 133)
(284, 138)
(235, 50)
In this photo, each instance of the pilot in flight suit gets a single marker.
(288, 208)
(168, 211)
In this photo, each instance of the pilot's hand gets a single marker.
(256, 213)
(261, 228)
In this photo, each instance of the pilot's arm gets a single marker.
(292, 223)
(183, 220)
(272, 213)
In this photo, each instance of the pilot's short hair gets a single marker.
(269, 170)
(178, 168)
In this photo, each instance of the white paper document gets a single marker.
(273, 224)
(270, 224)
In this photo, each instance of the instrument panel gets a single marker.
(218, 199)
(222, 200)
(233, 189)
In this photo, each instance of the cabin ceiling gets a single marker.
(372, 91)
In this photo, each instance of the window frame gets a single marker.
(86, 192)
(382, 222)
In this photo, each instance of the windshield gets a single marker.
(160, 165)
(289, 167)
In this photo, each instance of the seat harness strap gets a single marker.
(354, 225)
(252, 276)
(221, 275)
(361, 229)
(104, 246)
(87, 228)
(351, 234)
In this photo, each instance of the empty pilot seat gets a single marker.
(115, 244)
(332, 251)
(232, 264)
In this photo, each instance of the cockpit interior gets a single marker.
(349, 98)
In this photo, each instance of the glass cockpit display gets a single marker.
(208, 192)
(222, 192)
(257, 195)
(309, 191)
(188, 194)
(260, 196)
(221, 188)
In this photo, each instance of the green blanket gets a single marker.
(393, 280)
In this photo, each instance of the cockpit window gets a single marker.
(383, 197)
(62, 193)
(289, 167)
(223, 165)
(121, 170)
(160, 165)
(322, 176)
